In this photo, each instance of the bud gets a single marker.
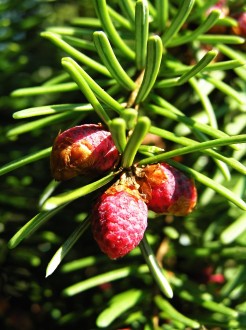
(240, 29)
(83, 150)
(166, 189)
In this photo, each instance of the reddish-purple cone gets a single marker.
(240, 29)
(167, 190)
(119, 220)
(83, 150)
(221, 6)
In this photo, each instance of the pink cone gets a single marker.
(119, 220)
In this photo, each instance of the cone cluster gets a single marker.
(119, 216)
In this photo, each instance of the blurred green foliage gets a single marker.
(27, 300)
